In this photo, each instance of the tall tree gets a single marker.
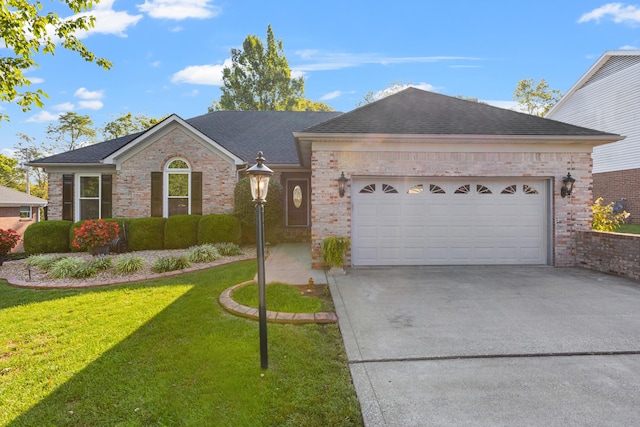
(9, 174)
(72, 131)
(535, 99)
(259, 78)
(27, 31)
(28, 149)
(127, 124)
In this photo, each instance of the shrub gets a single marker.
(78, 225)
(244, 208)
(100, 263)
(228, 249)
(47, 237)
(181, 231)
(216, 228)
(603, 217)
(146, 233)
(334, 249)
(8, 240)
(129, 264)
(203, 253)
(95, 233)
(170, 263)
(68, 267)
(43, 262)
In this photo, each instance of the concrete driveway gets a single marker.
(491, 345)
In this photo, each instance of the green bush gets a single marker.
(47, 237)
(170, 263)
(181, 231)
(146, 233)
(203, 253)
(43, 262)
(129, 264)
(71, 267)
(245, 210)
(100, 263)
(603, 217)
(228, 249)
(216, 228)
(334, 250)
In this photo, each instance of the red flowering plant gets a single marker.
(8, 240)
(92, 234)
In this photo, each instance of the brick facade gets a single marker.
(331, 215)
(611, 253)
(613, 186)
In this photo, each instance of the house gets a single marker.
(606, 98)
(18, 210)
(431, 179)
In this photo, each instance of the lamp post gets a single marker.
(259, 176)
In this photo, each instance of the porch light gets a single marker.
(567, 187)
(342, 184)
(259, 176)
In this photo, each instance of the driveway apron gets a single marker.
(491, 345)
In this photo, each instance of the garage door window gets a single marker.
(529, 190)
(368, 189)
(436, 189)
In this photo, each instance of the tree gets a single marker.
(26, 150)
(535, 99)
(73, 131)
(259, 78)
(26, 30)
(308, 105)
(372, 96)
(9, 174)
(126, 124)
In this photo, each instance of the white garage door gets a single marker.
(445, 221)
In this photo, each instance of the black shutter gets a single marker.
(106, 196)
(156, 194)
(196, 193)
(67, 197)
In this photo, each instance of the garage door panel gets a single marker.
(494, 222)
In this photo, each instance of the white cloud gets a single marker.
(67, 106)
(8, 152)
(179, 9)
(629, 47)
(507, 105)
(35, 80)
(91, 105)
(332, 95)
(43, 117)
(618, 12)
(108, 21)
(155, 64)
(83, 93)
(316, 60)
(201, 74)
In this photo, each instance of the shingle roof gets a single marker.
(243, 133)
(11, 197)
(418, 112)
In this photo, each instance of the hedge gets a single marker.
(145, 234)
(216, 228)
(47, 237)
(181, 231)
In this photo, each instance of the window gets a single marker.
(463, 189)
(529, 190)
(25, 212)
(482, 189)
(509, 190)
(416, 189)
(388, 189)
(177, 184)
(88, 206)
(436, 189)
(368, 189)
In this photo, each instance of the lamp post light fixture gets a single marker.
(259, 176)
(342, 184)
(567, 187)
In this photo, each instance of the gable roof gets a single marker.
(611, 62)
(14, 198)
(417, 112)
(243, 133)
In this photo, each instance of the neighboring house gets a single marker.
(606, 98)
(18, 210)
(431, 179)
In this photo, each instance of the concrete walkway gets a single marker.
(291, 263)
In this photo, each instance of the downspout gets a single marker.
(239, 171)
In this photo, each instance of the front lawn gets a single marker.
(163, 352)
(629, 228)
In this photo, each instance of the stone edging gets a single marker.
(272, 316)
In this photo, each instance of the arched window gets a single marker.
(177, 184)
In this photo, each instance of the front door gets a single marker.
(297, 203)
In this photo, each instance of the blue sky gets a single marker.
(168, 54)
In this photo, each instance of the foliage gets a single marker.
(127, 264)
(308, 105)
(228, 249)
(47, 237)
(43, 262)
(334, 250)
(280, 297)
(536, 99)
(244, 208)
(9, 175)
(259, 78)
(181, 231)
(372, 96)
(216, 228)
(203, 253)
(100, 263)
(170, 263)
(126, 124)
(71, 267)
(27, 149)
(94, 233)
(8, 240)
(93, 356)
(604, 219)
(146, 233)
(72, 131)
(27, 31)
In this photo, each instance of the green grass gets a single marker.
(163, 352)
(629, 228)
(280, 297)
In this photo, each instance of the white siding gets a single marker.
(610, 104)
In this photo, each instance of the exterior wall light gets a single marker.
(342, 184)
(259, 176)
(567, 187)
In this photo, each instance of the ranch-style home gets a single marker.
(430, 179)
